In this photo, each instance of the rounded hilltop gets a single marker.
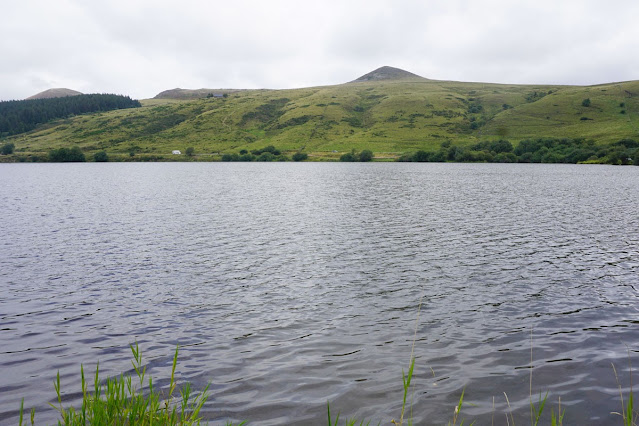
(55, 93)
(388, 73)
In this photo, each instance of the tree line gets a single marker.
(540, 150)
(22, 116)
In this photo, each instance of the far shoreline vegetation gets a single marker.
(540, 150)
(386, 115)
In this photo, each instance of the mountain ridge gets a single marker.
(391, 113)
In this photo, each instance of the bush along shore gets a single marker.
(541, 150)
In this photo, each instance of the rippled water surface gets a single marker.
(287, 285)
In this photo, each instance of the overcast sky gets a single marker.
(141, 47)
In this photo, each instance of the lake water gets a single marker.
(288, 285)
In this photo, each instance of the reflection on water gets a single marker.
(287, 285)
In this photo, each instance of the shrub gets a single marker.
(300, 156)
(7, 148)
(353, 121)
(366, 155)
(265, 156)
(462, 154)
(421, 156)
(501, 146)
(348, 157)
(406, 158)
(190, 151)
(100, 157)
(66, 155)
(505, 157)
(438, 157)
(270, 149)
(585, 102)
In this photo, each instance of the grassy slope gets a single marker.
(388, 117)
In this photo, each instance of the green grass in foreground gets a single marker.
(118, 401)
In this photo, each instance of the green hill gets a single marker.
(185, 94)
(388, 111)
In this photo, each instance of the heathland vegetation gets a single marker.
(389, 112)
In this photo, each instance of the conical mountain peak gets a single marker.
(388, 73)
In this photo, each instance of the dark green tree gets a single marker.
(266, 156)
(270, 149)
(300, 156)
(421, 156)
(349, 157)
(366, 155)
(100, 157)
(439, 156)
(245, 157)
(190, 151)
(501, 146)
(76, 155)
(67, 155)
(7, 148)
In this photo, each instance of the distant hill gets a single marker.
(192, 93)
(18, 117)
(55, 93)
(389, 73)
(388, 111)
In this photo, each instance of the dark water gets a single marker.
(290, 285)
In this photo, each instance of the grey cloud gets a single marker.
(140, 47)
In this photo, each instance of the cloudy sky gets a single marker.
(141, 47)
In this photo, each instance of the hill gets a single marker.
(55, 93)
(193, 93)
(388, 73)
(388, 111)
(17, 117)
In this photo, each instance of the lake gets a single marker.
(288, 285)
